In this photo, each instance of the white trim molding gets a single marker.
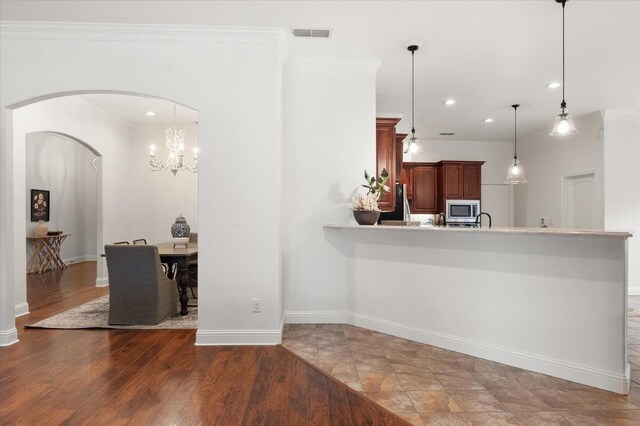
(239, 337)
(553, 367)
(8, 337)
(79, 259)
(22, 309)
(316, 317)
(139, 32)
(102, 282)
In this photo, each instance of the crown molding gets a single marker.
(23, 30)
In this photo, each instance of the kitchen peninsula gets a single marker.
(547, 300)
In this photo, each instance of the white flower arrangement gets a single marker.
(368, 202)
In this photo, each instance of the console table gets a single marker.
(46, 253)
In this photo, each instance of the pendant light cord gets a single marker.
(515, 131)
(564, 104)
(413, 105)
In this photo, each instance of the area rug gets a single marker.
(95, 314)
(632, 313)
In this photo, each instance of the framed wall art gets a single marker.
(40, 205)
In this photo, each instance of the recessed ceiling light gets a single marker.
(488, 120)
(449, 102)
(151, 113)
(447, 133)
(553, 85)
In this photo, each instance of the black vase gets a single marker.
(366, 217)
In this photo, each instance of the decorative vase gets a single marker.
(41, 229)
(180, 228)
(366, 217)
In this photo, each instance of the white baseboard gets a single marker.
(613, 382)
(8, 337)
(22, 309)
(634, 291)
(102, 282)
(78, 259)
(316, 317)
(239, 337)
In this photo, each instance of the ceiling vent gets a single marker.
(302, 32)
(447, 133)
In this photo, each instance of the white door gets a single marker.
(496, 200)
(580, 202)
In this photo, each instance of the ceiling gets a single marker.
(486, 55)
(133, 109)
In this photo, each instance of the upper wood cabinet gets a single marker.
(461, 180)
(386, 155)
(472, 181)
(424, 188)
(452, 180)
(431, 184)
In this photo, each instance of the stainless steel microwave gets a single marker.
(462, 211)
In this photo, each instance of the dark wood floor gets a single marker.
(156, 377)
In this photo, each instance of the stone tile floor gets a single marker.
(427, 385)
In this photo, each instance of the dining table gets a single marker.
(180, 256)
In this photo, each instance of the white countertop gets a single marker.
(495, 230)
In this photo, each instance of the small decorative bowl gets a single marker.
(180, 240)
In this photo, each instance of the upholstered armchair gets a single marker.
(139, 292)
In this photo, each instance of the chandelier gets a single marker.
(175, 160)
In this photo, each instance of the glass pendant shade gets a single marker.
(515, 174)
(413, 144)
(563, 125)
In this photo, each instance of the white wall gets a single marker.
(622, 176)
(546, 159)
(329, 142)
(157, 198)
(233, 78)
(63, 167)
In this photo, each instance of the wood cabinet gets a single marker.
(431, 184)
(461, 180)
(471, 181)
(452, 180)
(386, 157)
(424, 189)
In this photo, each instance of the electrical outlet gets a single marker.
(545, 222)
(257, 306)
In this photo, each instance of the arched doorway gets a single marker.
(119, 149)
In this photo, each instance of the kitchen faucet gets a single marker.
(478, 219)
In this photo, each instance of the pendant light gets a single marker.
(515, 173)
(564, 123)
(412, 145)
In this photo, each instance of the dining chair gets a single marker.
(140, 241)
(121, 242)
(139, 293)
